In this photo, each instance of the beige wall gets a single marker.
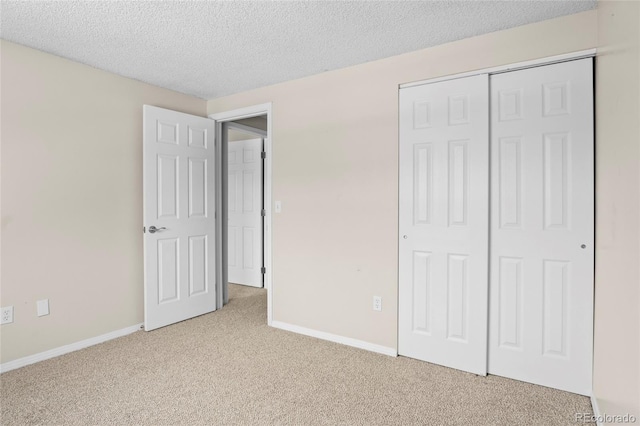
(255, 122)
(71, 198)
(617, 318)
(237, 135)
(335, 162)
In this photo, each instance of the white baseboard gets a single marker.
(596, 409)
(360, 344)
(52, 353)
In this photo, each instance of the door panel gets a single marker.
(541, 312)
(198, 187)
(444, 215)
(198, 271)
(245, 212)
(178, 174)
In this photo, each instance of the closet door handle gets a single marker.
(153, 229)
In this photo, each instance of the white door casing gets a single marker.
(443, 223)
(179, 199)
(541, 306)
(245, 220)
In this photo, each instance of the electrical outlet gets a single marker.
(377, 303)
(6, 315)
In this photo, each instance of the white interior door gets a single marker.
(542, 224)
(245, 215)
(178, 186)
(443, 249)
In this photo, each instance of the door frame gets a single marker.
(221, 202)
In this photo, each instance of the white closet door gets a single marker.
(443, 249)
(245, 212)
(542, 224)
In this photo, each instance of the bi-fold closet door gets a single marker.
(496, 224)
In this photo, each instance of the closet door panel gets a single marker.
(443, 245)
(542, 223)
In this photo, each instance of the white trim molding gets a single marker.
(589, 53)
(241, 113)
(52, 353)
(360, 344)
(596, 409)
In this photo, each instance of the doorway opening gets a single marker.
(245, 197)
(243, 200)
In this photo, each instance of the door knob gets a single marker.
(405, 237)
(153, 229)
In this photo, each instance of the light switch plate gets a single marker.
(43, 307)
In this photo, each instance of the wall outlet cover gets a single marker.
(377, 303)
(6, 315)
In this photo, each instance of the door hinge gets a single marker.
(263, 154)
(264, 270)
(264, 212)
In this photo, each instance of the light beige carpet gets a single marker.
(229, 368)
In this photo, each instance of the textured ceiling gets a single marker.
(215, 48)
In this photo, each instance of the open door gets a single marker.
(179, 208)
(245, 212)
